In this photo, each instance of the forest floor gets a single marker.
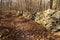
(14, 27)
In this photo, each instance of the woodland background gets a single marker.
(30, 5)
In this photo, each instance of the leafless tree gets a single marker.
(51, 2)
(1, 3)
(40, 5)
(58, 4)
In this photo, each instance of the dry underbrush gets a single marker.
(20, 28)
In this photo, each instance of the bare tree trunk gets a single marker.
(55, 4)
(44, 6)
(1, 3)
(51, 2)
(40, 6)
(27, 5)
(58, 4)
(30, 9)
(10, 4)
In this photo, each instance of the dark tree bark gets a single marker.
(1, 3)
(44, 6)
(40, 6)
(51, 2)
